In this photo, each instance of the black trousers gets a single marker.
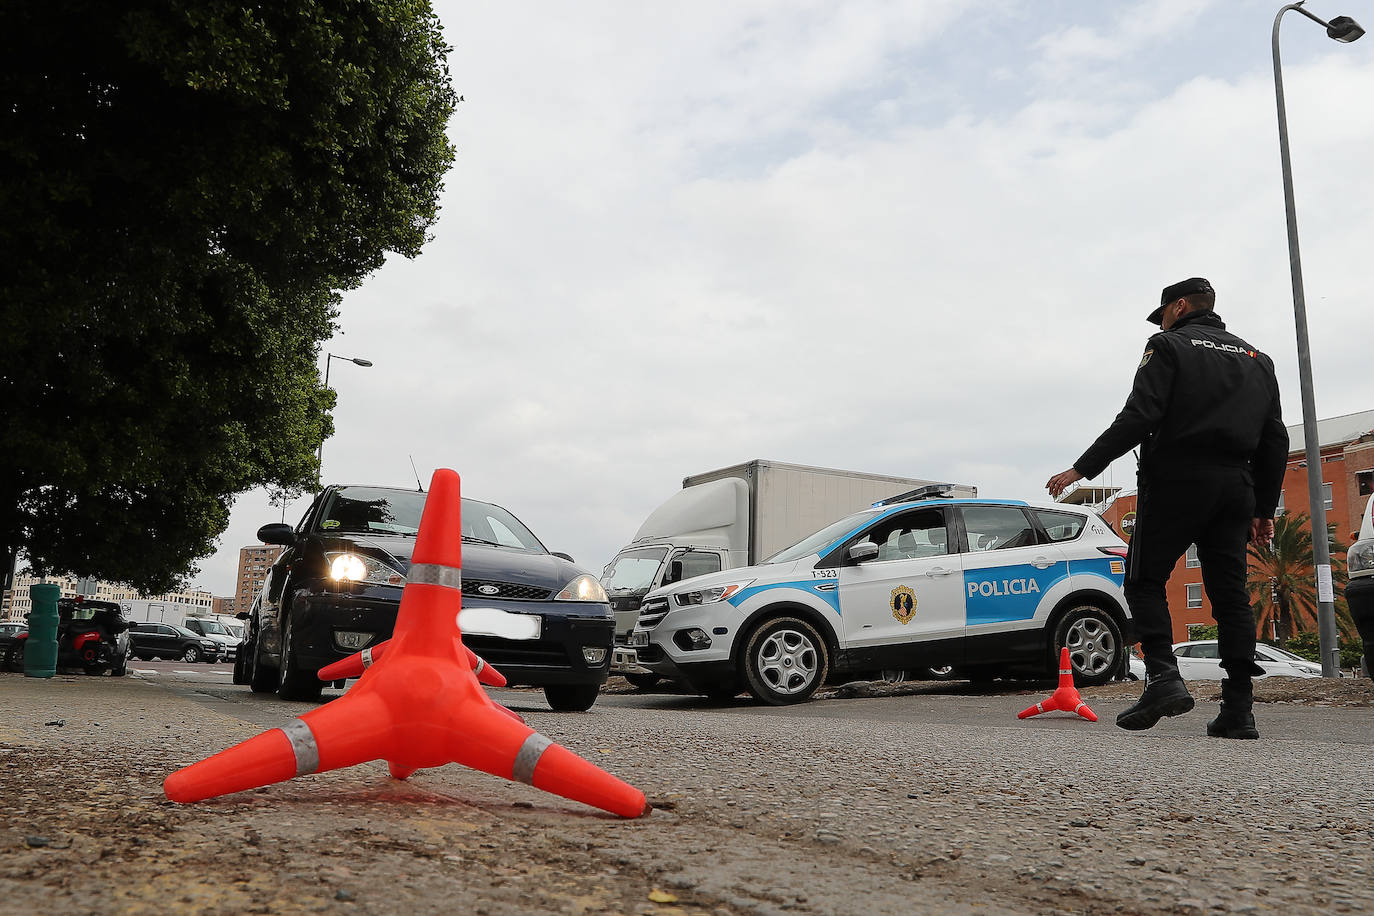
(1211, 507)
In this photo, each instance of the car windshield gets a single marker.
(633, 570)
(1276, 652)
(210, 626)
(823, 538)
(381, 510)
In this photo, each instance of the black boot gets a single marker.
(1237, 717)
(1165, 695)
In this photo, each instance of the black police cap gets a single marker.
(1176, 292)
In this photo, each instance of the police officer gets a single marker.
(1205, 411)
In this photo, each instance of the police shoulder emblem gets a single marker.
(1146, 358)
(903, 604)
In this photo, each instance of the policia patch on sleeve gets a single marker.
(1150, 351)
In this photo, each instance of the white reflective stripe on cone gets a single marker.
(303, 745)
(434, 574)
(528, 758)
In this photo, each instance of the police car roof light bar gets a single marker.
(932, 491)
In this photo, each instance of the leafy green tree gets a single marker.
(186, 186)
(1283, 580)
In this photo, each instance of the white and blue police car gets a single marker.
(988, 586)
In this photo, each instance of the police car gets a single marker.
(988, 586)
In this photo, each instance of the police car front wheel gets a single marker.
(1096, 647)
(785, 661)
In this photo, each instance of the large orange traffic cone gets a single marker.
(1065, 698)
(422, 708)
(358, 662)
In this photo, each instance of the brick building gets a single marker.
(1347, 450)
(254, 562)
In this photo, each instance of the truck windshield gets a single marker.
(211, 626)
(824, 538)
(633, 570)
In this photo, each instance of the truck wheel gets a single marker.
(643, 681)
(294, 683)
(1096, 648)
(571, 697)
(785, 661)
(192, 654)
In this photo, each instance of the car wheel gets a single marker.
(1096, 649)
(571, 697)
(942, 673)
(191, 654)
(643, 681)
(892, 676)
(294, 683)
(14, 657)
(261, 678)
(785, 661)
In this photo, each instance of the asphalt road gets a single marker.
(935, 798)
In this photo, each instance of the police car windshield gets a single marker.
(824, 538)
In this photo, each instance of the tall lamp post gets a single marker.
(330, 357)
(1343, 29)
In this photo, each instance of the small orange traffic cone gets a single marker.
(1065, 698)
(422, 708)
(358, 662)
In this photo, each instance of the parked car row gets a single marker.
(1200, 660)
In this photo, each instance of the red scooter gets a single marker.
(91, 635)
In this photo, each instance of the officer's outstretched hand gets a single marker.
(1060, 482)
(1262, 531)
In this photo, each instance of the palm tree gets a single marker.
(1283, 578)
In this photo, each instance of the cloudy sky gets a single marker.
(913, 238)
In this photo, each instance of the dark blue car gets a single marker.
(336, 589)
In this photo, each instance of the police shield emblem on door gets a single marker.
(903, 604)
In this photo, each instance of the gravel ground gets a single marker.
(826, 808)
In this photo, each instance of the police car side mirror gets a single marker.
(864, 550)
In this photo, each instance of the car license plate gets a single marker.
(639, 638)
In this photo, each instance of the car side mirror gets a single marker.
(864, 550)
(277, 533)
(559, 553)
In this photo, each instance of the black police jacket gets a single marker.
(1202, 398)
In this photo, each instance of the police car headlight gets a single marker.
(583, 588)
(1359, 560)
(710, 595)
(356, 567)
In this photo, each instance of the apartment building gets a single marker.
(254, 562)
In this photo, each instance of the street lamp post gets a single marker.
(1342, 29)
(330, 357)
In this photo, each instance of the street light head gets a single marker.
(1344, 29)
(363, 362)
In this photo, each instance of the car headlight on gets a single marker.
(710, 595)
(357, 567)
(583, 588)
(1359, 560)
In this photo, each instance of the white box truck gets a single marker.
(735, 516)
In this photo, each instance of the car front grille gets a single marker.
(652, 611)
(505, 591)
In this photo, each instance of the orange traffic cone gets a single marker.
(358, 662)
(1065, 698)
(422, 708)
